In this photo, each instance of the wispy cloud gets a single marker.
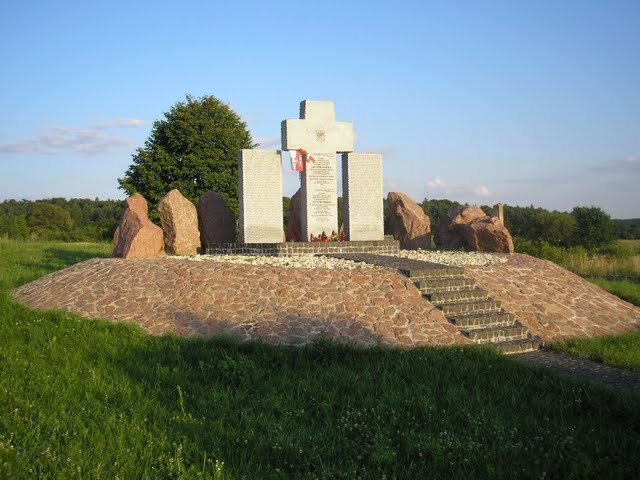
(552, 179)
(437, 186)
(123, 122)
(392, 185)
(89, 140)
(268, 142)
(628, 165)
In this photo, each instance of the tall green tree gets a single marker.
(194, 149)
(556, 228)
(594, 227)
(46, 216)
(14, 227)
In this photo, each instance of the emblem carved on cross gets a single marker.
(317, 131)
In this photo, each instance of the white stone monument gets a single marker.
(319, 134)
(322, 137)
(260, 182)
(362, 196)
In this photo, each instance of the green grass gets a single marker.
(619, 350)
(625, 289)
(88, 399)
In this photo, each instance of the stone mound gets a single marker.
(552, 302)
(276, 305)
(296, 306)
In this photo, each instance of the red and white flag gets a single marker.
(298, 159)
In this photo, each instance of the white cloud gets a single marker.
(437, 186)
(481, 191)
(123, 122)
(435, 183)
(89, 140)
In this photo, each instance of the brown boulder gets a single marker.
(471, 229)
(179, 220)
(217, 220)
(294, 222)
(488, 234)
(138, 204)
(450, 231)
(136, 236)
(409, 224)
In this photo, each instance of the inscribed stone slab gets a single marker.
(260, 182)
(320, 195)
(362, 193)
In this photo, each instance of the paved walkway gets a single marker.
(585, 369)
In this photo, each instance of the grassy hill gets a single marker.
(91, 399)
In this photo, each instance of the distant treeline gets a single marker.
(86, 220)
(75, 220)
(586, 226)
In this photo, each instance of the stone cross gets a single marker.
(318, 132)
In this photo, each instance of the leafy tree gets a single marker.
(14, 227)
(520, 221)
(194, 149)
(556, 228)
(46, 216)
(628, 229)
(436, 209)
(594, 227)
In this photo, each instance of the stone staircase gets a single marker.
(477, 316)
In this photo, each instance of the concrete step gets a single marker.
(528, 344)
(483, 320)
(462, 308)
(439, 271)
(446, 284)
(469, 295)
(497, 334)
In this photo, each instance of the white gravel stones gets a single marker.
(458, 259)
(305, 261)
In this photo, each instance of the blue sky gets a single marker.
(482, 102)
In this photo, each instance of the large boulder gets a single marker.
(471, 229)
(179, 220)
(217, 220)
(294, 223)
(136, 236)
(450, 231)
(409, 224)
(488, 234)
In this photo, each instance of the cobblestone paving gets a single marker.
(290, 306)
(554, 303)
(581, 368)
